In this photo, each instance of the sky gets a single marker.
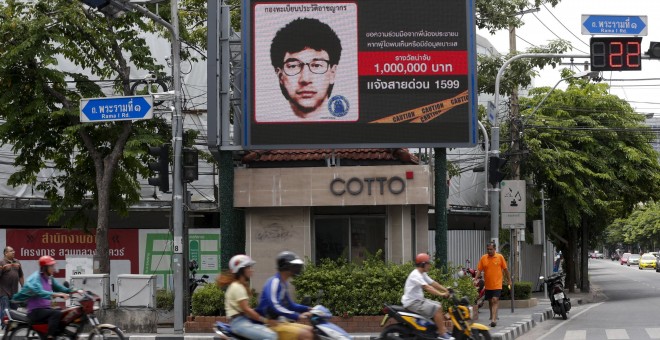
(564, 21)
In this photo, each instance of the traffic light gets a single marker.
(190, 167)
(654, 50)
(496, 169)
(161, 167)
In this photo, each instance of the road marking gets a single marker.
(576, 335)
(561, 324)
(654, 333)
(616, 334)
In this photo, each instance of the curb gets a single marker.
(521, 327)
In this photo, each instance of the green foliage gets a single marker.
(522, 291)
(592, 154)
(351, 289)
(641, 227)
(208, 300)
(165, 299)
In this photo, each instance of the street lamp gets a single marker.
(114, 8)
(591, 74)
(495, 137)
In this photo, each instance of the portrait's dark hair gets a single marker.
(304, 33)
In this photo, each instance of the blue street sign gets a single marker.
(614, 24)
(116, 108)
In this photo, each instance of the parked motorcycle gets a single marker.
(193, 281)
(320, 320)
(82, 312)
(560, 303)
(411, 325)
(479, 283)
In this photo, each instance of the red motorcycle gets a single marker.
(478, 283)
(74, 318)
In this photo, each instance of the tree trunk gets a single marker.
(584, 258)
(570, 258)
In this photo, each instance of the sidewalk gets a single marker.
(509, 325)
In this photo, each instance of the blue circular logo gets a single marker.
(338, 106)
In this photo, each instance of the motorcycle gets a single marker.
(193, 281)
(479, 283)
(320, 320)
(411, 325)
(560, 303)
(82, 312)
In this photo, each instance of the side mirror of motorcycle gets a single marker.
(205, 276)
(66, 284)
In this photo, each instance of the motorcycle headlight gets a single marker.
(471, 312)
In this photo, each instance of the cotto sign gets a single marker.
(355, 186)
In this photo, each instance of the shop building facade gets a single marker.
(334, 212)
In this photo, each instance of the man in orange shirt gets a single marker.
(492, 265)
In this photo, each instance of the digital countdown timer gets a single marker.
(616, 54)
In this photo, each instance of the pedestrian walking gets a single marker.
(493, 267)
(11, 274)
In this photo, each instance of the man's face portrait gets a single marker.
(490, 249)
(306, 77)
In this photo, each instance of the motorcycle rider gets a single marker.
(38, 291)
(245, 321)
(275, 301)
(413, 299)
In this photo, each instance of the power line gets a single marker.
(555, 34)
(562, 24)
(529, 43)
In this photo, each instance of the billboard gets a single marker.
(367, 73)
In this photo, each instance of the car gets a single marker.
(648, 260)
(600, 255)
(624, 258)
(633, 260)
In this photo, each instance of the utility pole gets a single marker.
(114, 7)
(514, 155)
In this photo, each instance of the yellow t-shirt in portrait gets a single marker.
(235, 293)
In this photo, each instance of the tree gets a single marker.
(592, 154)
(641, 227)
(97, 165)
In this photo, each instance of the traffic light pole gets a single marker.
(495, 138)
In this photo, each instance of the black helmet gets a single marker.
(289, 261)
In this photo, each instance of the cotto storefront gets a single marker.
(337, 211)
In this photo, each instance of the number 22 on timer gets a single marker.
(619, 56)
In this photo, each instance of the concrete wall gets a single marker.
(272, 230)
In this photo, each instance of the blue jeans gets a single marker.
(244, 327)
(5, 304)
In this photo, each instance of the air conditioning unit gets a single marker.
(136, 290)
(95, 283)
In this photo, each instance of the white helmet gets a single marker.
(240, 261)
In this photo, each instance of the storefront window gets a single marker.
(348, 237)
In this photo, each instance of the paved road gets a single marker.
(630, 308)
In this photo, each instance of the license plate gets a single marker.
(382, 323)
(559, 296)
